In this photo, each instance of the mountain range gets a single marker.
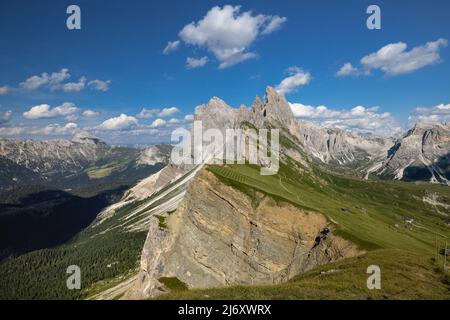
(421, 154)
(82, 162)
(335, 206)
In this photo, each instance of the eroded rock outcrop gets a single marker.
(220, 236)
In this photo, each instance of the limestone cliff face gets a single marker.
(220, 236)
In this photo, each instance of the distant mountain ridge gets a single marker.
(341, 149)
(422, 154)
(84, 160)
(53, 156)
(54, 189)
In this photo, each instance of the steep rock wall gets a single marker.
(220, 236)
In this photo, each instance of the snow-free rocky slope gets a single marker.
(53, 156)
(342, 151)
(422, 154)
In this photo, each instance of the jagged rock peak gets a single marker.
(257, 102)
(277, 107)
(214, 104)
(273, 95)
(216, 101)
(276, 111)
(216, 114)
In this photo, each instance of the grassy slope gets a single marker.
(375, 221)
(375, 207)
(404, 275)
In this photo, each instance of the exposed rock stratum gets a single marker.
(220, 236)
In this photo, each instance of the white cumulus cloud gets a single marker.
(158, 123)
(439, 113)
(4, 90)
(296, 78)
(274, 24)
(74, 86)
(229, 33)
(56, 129)
(168, 112)
(122, 122)
(52, 80)
(347, 69)
(99, 85)
(71, 117)
(394, 59)
(56, 81)
(174, 121)
(5, 116)
(90, 113)
(359, 119)
(45, 111)
(147, 113)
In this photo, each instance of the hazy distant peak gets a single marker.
(85, 137)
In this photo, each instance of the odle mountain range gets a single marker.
(422, 154)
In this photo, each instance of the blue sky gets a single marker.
(117, 65)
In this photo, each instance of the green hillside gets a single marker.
(373, 215)
(404, 275)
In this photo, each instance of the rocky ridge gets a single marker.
(422, 154)
(52, 156)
